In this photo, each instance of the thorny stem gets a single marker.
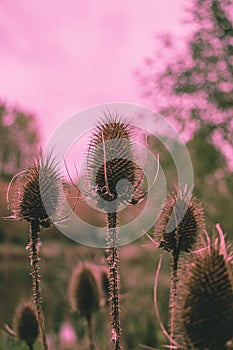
(35, 273)
(175, 255)
(90, 332)
(112, 250)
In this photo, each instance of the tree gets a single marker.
(19, 139)
(195, 87)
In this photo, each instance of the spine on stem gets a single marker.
(113, 262)
(35, 273)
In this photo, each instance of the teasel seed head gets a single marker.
(38, 184)
(84, 293)
(206, 301)
(111, 166)
(180, 223)
(25, 323)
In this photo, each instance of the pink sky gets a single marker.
(58, 57)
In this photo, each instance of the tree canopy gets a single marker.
(192, 85)
(195, 86)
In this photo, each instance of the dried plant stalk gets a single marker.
(33, 248)
(114, 177)
(31, 189)
(113, 262)
(178, 229)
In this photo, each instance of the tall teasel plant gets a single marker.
(27, 194)
(205, 304)
(113, 177)
(179, 229)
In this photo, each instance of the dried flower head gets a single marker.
(84, 293)
(206, 301)
(180, 223)
(25, 323)
(36, 185)
(112, 170)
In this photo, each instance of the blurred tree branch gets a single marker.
(194, 88)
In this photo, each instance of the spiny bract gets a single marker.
(180, 223)
(37, 192)
(111, 166)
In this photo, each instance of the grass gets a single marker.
(137, 265)
(7, 343)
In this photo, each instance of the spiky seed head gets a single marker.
(84, 293)
(25, 323)
(111, 166)
(180, 223)
(36, 185)
(206, 302)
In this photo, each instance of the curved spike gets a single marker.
(222, 248)
(9, 186)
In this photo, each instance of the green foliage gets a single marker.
(213, 180)
(205, 157)
(7, 343)
(194, 87)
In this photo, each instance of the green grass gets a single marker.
(9, 343)
(137, 269)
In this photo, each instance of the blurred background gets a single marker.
(59, 58)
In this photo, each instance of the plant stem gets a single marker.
(173, 297)
(30, 346)
(90, 332)
(112, 250)
(35, 273)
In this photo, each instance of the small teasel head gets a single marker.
(205, 306)
(35, 193)
(180, 223)
(83, 292)
(26, 324)
(112, 170)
